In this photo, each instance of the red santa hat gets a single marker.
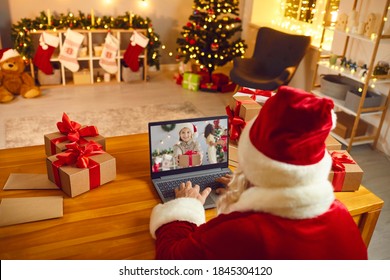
(282, 151)
(8, 53)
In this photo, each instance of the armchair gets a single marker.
(275, 59)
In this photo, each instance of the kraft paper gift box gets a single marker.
(99, 169)
(261, 96)
(56, 142)
(191, 81)
(189, 160)
(332, 144)
(346, 175)
(233, 153)
(70, 131)
(248, 108)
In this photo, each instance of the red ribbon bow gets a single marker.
(73, 130)
(79, 155)
(338, 167)
(338, 160)
(236, 123)
(266, 93)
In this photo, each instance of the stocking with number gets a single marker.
(47, 44)
(107, 59)
(70, 49)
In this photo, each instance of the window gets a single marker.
(302, 10)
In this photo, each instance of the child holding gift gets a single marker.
(187, 133)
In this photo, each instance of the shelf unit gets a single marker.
(89, 61)
(374, 116)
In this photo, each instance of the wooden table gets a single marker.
(112, 221)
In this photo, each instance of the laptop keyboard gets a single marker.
(168, 188)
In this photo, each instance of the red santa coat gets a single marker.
(289, 214)
(256, 235)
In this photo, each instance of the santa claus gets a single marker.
(279, 203)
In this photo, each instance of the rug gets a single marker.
(29, 131)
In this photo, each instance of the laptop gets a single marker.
(173, 161)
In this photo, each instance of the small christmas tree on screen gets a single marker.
(210, 36)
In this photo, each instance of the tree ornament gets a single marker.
(192, 42)
(214, 47)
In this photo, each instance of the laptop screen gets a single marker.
(188, 145)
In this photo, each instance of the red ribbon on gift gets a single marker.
(80, 157)
(190, 153)
(338, 168)
(73, 132)
(265, 93)
(236, 123)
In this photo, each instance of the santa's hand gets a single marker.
(225, 180)
(186, 190)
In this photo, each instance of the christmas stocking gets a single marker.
(70, 48)
(107, 60)
(138, 42)
(47, 44)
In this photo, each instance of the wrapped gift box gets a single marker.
(56, 142)
(346, 175)
(220, 80)
(249, 108)
(260, 96)
(191, 81)
(209, 87)
(75, 181)
(332, 144)
(71, 131)
(233, 153)
(189, 160)
(229, 87)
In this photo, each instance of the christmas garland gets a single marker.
(21, 36)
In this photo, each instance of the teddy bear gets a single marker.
(13, 79)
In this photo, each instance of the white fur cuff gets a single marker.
(180, 209)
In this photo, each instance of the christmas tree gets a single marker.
(210, 36)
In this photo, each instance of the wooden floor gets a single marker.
(160, 89)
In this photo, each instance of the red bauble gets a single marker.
(189, 24)
(192, 42)
(214, 47)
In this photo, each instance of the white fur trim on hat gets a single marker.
(180, 209)
(284, 189)
(190, 126)
(9, 54)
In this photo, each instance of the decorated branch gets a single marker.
(23, 42)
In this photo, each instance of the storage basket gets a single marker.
(53, 79)
(337, 86)
(353, 98)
